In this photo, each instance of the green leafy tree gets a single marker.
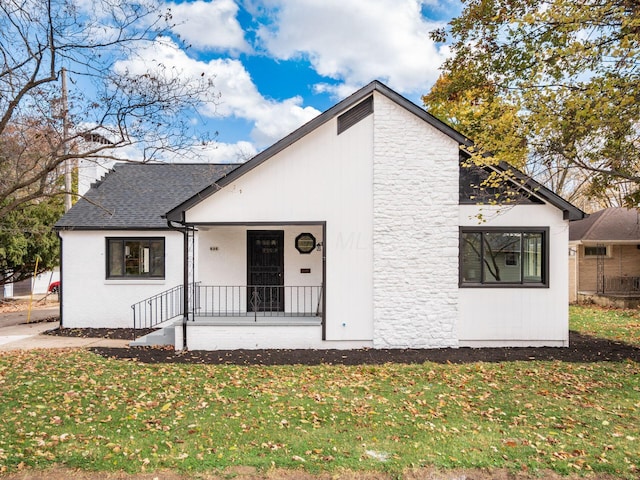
(26, 235)
(566, 74)
(27, 238)
(480, 114)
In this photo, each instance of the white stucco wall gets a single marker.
(89, 299)
(323, 177)
(215, 337)
(415, 231)
(519, 316)
(222, 262)
(222, 255)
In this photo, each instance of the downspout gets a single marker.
(324, 281)
(60, 287)
(577, 272)
(185, 278)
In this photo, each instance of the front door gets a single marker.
(265, 270)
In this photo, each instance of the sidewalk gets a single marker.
(29, 336)
(10, 318)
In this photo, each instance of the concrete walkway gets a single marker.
(17, 334)
(29, 336)
(36, 315)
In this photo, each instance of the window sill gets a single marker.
(503, 285)
(134, 281)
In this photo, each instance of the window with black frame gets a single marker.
(596, 251)
(135, 258)
(503, 257)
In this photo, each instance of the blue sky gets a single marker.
(279, 63)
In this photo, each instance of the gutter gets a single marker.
(595, 243)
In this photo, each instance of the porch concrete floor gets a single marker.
(259, 320)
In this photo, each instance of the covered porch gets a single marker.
(254, 316)
(608, 274)
(614, 291)
(245, 286)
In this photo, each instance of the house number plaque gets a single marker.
(305, 243)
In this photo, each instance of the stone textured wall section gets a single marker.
(415, 231)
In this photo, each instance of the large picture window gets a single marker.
(501, 257)
(135, 257)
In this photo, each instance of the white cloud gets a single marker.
(238, 152)
(214, 152)
(357, 41)
(209, 25)
(351, 42)
(239, 96)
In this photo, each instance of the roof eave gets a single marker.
(86, 228)
(591, 242)
(570, 211)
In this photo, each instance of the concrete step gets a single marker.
(163, 336)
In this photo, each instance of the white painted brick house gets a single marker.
(353, 231)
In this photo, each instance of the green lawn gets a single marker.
(614, 324)
(80, 410)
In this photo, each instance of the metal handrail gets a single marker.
(157, 309)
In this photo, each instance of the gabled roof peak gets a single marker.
(375, 86)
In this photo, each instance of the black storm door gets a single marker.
(265, 270)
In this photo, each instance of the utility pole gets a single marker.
(65, 145)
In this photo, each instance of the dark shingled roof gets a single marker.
(137, 195)
(608, 225)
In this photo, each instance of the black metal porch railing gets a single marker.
(258, 300)
(157, 309)
(228, 301)
(621, 285)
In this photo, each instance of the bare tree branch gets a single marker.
(142, 111)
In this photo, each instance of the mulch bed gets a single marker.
(53, 318)
(112, 333)
(583, 348)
